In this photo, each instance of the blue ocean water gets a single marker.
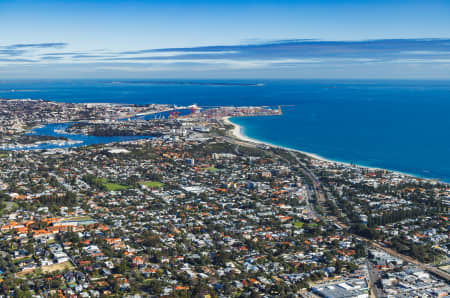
(398, 125)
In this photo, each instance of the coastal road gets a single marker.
(321, 198)
(305, 170)
(316, 186)
(311, 208)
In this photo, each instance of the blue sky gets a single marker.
(225, 39)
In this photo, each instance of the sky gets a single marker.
(225, 39)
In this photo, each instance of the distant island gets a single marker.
(188, 83)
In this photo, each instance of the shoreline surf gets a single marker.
(238, 133)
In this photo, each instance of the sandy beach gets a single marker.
(237, 132)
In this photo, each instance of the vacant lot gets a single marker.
(57, 267)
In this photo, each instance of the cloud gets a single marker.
(51, 58)
(89, 56)
(19, 60)
(177, 51)
(426, 53)
(28, 51)
(318, 47)
(285, 55)
(11, 52)
(38, 45)
(201, 65)
(132, 69)
(157, 53)
(65, 53)
(382, 50)
(364, 51)
(434, 61)
(226, 63)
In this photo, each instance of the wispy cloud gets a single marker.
(28, 51)
(435, 61)
(38, 45)
(18, 60)
(316, 48)
(426, 53)
(51, 58)
(279, 54)
(11, 52)
(65, 53)
(382, 49)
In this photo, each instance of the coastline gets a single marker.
(237, 132)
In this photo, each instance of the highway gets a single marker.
(318, 192)
(321, 198)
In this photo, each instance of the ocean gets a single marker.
(392, 124)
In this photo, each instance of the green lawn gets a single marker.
(298, 224)
(112, 186)
(312, 225)
(115, 186)
(152, 184)
(22, 260)
(212, 169)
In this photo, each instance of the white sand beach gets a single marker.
(237, 132)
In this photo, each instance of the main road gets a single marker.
(321, 198)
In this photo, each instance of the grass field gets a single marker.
(114, 186)
(152, 184)
(298, 224)
(22, 259)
